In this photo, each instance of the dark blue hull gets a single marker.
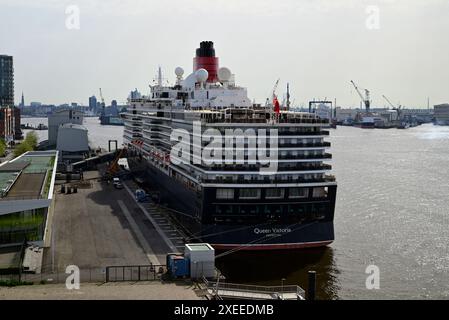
(194, 214)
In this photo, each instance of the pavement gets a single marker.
(107, 291)
(101, 226)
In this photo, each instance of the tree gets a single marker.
(32, 139)
(2, 147)
(28, 144)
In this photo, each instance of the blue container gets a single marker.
(177, 266)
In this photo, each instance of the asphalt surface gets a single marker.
(97, 227)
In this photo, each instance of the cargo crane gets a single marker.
(103, 105)
(365, 99)
(389, 102)
(273, 92)
(114, 167)
(397, 109)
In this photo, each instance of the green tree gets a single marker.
(32, 139)
(2, 147)
(28, 144)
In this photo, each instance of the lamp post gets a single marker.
(282, 285)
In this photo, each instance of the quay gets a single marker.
(120, 246)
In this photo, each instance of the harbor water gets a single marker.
(392, 212)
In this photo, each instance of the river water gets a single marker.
(98, 135)
(392, 212)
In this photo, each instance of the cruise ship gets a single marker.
(236, 174)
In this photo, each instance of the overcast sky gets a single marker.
(317, 46)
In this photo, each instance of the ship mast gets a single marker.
(159, 77)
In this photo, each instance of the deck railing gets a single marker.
(272, 290)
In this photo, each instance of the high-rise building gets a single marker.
(114, 107)
(6, 81)
(9, 114)
(93, 103)
(135, 94)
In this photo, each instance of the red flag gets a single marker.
(276, 105)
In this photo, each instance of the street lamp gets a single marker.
(282, 285)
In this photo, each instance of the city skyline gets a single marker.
(305, 43)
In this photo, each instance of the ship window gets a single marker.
(296, 193)
(274, 193)
(249, 193)
(319, 192)
(225, 193)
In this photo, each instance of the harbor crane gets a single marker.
(365, 99)
(103, 105)
(273, 92)
(389, 102)
(397, 109)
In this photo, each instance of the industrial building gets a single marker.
(72, 142)
(26, 194)
(441, 113)
(60, 117)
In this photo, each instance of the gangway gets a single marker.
(223, 290)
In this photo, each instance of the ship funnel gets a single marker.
(206, 59)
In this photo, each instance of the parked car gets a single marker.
(141, 195)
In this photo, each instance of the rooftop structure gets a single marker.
(26, 193)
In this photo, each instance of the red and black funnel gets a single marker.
(205, 59)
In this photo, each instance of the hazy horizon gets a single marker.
(317, 46)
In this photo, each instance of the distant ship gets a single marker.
(111, 120)
(231, 204)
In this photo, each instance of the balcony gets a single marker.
(256, 169)
(267, 180)
(305, 145)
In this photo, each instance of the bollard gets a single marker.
(75, 189)
(69, 190)
(311, 285)
(63, 188)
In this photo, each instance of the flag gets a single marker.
(276, 105)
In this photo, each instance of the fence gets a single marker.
(135, 273)
(94, 275)
(87, 275)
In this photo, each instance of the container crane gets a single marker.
(365, 99)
